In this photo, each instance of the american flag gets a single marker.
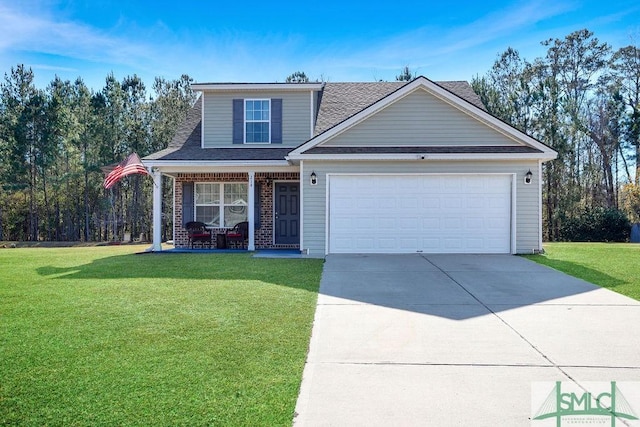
(129, 166)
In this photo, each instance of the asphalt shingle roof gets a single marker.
(338, 102)
(186, 139)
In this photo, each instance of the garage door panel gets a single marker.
(453, 223)
(453, 245)
(494, 223)
(475, 202)
(366, 203)
(344, 204)
(494, 242)
(431, 203)
(451, 185)
(409, 244)
(364, 224)
(407, 185)
(430, 245)
(345, 224)
(430, 223)
(420, 213)
(473, 223)
(452, 202)
(408, 203)
(387, 244)
(476, 186)
(341, 244)
(365, 242)
(386, 224)
(409, 225)
(475, 244)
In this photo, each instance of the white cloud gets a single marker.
(215, 54)
(236, 55)
(41, 34)
(54, 68)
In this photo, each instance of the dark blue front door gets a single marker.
(287, 213)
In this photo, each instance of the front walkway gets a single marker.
(442, 340)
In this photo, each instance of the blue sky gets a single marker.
(265, 41)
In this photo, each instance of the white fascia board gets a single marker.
(256, 86)
(444, 95)
(427, 156)
(170, 170)
(214, 162)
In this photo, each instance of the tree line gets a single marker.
(54, 141)
(582, 98)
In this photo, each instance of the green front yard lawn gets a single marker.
(615, 266)
(102, 336)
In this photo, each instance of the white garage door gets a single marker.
(420, 213)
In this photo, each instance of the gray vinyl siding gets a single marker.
(420, 119)
(218, 117)
(315, 197)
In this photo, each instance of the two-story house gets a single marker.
(383, 167)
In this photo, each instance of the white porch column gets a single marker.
(157, 210)
(251, 214)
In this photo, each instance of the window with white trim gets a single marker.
(221, 204)
(257, 121)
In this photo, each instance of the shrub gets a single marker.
(596, 225)
(630, 201)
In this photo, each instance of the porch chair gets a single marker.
(198, 233)
(238, 234)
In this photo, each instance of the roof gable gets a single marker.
(469, 112)
(339, 101)
(419, 118)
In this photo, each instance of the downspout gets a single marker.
(540, 247)
(251, 246)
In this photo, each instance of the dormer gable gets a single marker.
(242, 115)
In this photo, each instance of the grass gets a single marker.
(611, 265)
(102, 336)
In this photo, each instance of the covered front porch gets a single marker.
(268, 200)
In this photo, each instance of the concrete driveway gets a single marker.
(444, 340)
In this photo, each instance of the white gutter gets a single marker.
(214, 163)
(293, 87)
(427, 156)
(172, 170)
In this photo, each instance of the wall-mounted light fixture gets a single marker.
(527, 177)
(314, 178)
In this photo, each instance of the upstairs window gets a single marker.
(257, 121)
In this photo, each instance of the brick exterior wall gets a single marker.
(263, 235)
